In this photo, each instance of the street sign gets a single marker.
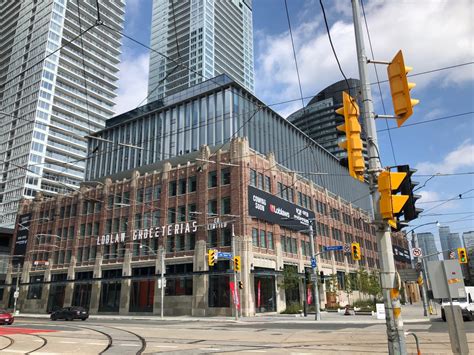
(314, 277)
(347, 248)
(162, 281)
(333, 247)
(452, 255)
(416, 252)
(408, 274)
(313, 262)
(223, 255)
(16, 294)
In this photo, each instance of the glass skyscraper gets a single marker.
(427, 243)
(195, 40)
(48, 106)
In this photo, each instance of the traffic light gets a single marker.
(353, 143)
(355, 249)
(400, 88)
(241, 285)
(236, 263)
(391, 204)
(410, 212)
(462, 255)
(211, 257)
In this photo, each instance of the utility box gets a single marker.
(446, 279)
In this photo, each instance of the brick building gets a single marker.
(102, 247)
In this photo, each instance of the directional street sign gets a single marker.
(314, 277)
(222, 255)
(333, 247)
(452, 255)
(313, 262)
(416, 252)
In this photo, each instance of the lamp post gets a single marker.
(414, 244)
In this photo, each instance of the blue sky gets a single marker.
(433, 34)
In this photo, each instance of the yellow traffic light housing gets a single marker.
(391, 204)
(237, 263)
(211, 257)
(462, 255)
(400, 88)
(355, 250)
(353, 142)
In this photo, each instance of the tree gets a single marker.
(348, 286)
(290, 283)
(374, 289)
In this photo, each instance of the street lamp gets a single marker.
(415, 244)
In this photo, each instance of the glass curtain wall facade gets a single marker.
(199, 39)
(49, 106)
(211, 114)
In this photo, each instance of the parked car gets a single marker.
(70, 313)
(466, 304)
(6, 317)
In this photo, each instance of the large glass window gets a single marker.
(212, 181)
(219, 291)
(142, 291)
(255, 237)
(179, 280)
(110, 291)
(35, 289)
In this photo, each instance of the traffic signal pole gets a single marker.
(390, 282)
(317, 305)
(424, 294)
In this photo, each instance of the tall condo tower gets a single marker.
(48, 106)
(195, 40)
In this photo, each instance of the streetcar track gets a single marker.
(45, 341)
(142, 340)
(12, 341)
(108, 336)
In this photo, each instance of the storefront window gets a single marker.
(219, 291)
(179, 280)
(57, 292)
(265, 293)
(82, 289)
(36, 287)
(110, 291)
(142, 291)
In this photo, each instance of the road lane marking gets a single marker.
(68, 342)
(165, 346)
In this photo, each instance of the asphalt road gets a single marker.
(266, 335)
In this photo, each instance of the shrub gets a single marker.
(293, 308)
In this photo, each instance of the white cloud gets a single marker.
(432, 34)
(133, 83)
(461, 157)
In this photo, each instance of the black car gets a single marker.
(70, 313)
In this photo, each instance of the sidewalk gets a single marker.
(410, 314)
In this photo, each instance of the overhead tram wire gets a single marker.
(431, 120)
(84, 76)
(378, 84)
(340, 68)
(161, 81)
(457, 197)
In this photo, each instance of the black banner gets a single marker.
(21, 241)
(401, 254)
(275, 210)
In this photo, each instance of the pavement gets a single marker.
(410, 314)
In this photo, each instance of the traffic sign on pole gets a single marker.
(313, 262)
(416, 252)
(333, 247)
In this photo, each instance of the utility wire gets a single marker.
(432, 120)
(378, 83)
(457, 197)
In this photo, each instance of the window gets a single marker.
(110, 291)
(270, 240)
(142, 291)
(148, 194)
(212, 179)
(171, 215)
(35, 288)
(268, 184)
(139, 197)
(191, 210)
(263, 239)
(212, 238)
(225, 205)
(219, 295)
(212, 207)
(172, 188)
(182, 186)
(260, 181)
(181, 213)
(177, 284)
(192, 184)
(253, 178)
(157, 192)
(255, 237)
(225, 176)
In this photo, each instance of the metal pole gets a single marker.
(390, 290)
(424, 296)
(17, 287)
(235, 295)
(317, 305)
(162, 280)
